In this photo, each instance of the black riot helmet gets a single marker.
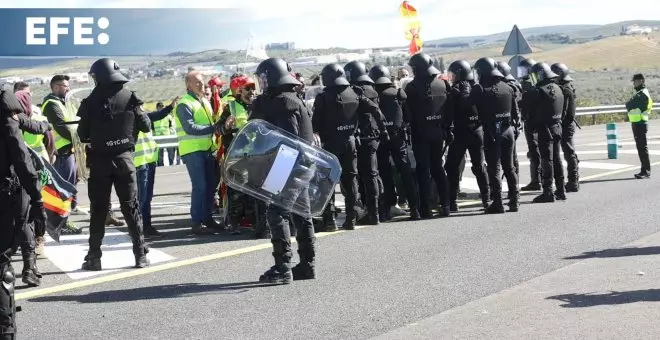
(356, 72)
(505, 69)
(487, 69)
(274, 72)
(525, 66)
(541, 72)
(422, 65)
(333, 75)
(106, 71)
(562, 71)
(460, 70)
(380, 75)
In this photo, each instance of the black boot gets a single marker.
(92, 263)
(546, 197)
(414, 214)
(514, 201)
(572, 185)
(280, 273)
(30, 276)
(453, 206)
(305, 269)
(496, 207)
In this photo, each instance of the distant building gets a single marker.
(635, 30)
(287, 46)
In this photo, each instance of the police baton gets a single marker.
(73, 122)
(577, 124)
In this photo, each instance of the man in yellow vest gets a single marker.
(195, 132)
(165, 127)
(54, 108)
(639, 107)
(145, 159)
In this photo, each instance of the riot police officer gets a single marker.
(392, 103)
(505, 69)
(530, 135)
(279, 105)
(498, 111)
(17, 174)
(368, 143)
(110, 120)
(547, 100)
(427, 95)
(467, 131)
(568, 126)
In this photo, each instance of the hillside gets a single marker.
(502, 36)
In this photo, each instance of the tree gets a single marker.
(388, 61)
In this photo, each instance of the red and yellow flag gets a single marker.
(412, 27)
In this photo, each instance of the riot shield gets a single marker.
(73, 100)
(281, 169)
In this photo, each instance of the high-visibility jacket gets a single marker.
(202, 115)
(36, 142)
(239, 112)
(162, 127)
(60, 141)
(636, 115)
(146, 149)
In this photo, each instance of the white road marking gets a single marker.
(593, 165)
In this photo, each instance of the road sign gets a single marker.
(516, 44)
(514, 62)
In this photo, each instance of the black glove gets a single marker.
(37, 212)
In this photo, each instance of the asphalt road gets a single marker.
(371, 282)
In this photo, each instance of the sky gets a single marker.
(373, 23)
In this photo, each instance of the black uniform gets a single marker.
(17, 173)
(568, 131)
(280, 106)
(505, 69)
(547, 108)
(639, 105)
(110, 120)
(468, 136)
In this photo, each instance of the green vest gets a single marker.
(238, 111)
(146, 149)
(162, 127)
(228, 98)
(60, 141)
(202, 116)
(636, 115)
(36, 142)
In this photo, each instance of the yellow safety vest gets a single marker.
(162, 127)
(60, 141)
(146, 149)
(202, 112)
(636, 115)
(36, 142)
(238, 111)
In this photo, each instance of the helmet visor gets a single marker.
(451, 77)
(522, 72)
(476, 75)
(261, 84)
(534, 78)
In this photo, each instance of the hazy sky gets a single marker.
(361, 23)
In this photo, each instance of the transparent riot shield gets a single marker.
(73, 100)
(281, 169)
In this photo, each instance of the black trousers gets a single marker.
(551, 164)
(11, 197)
(639, 132)
(368, 171)
(27, 230)
(398, 150)
(347, 156)
(533, 154)
(104, 172)
(428, 156)
(499, 157)
(471, 140)
(570, 156)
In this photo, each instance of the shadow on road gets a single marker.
(618, 252)
(609, 180)
(612, 298)
(155, 292)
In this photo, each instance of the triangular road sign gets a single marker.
(516, 44)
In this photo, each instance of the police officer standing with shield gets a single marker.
(110, 120)
(530, 135)
(568, 126)
(547, 102)
(468, 133)
(17, 173)
(498, 111)
(427, 95)
(392, 103)
(279, 105)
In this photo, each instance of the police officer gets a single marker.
(547, 102)
(498, 111)
(427, 95)
(279, 105)
(369, 142)
(467, 132)
(17, 174)
(568, 126)
(639, 107)
(392, 103)
(110, 120)
(531, 136)
(505, 69)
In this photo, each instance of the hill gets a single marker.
(502, 36)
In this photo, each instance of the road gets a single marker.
(510, 276)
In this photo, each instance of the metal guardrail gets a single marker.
(171, 140)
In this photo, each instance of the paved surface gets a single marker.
(377, 281)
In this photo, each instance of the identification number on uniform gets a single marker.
(117, 142)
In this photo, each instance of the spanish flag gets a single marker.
(56, 193)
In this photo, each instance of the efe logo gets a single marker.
(82, 30)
